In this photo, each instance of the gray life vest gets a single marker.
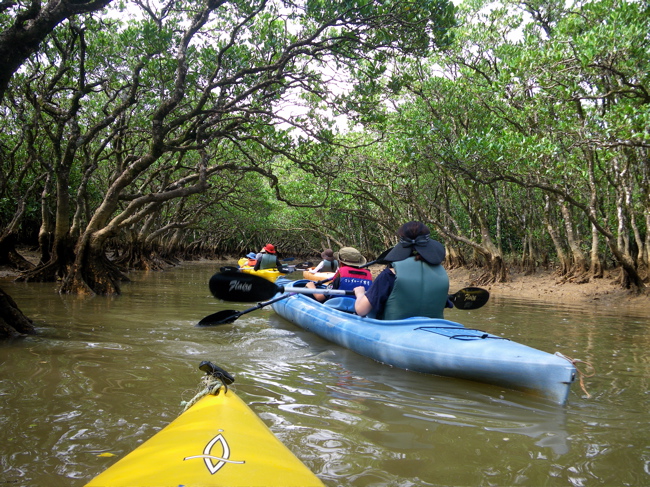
(420, 290)
(268, 261)
(329, 266)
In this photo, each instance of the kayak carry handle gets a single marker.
(216, 372)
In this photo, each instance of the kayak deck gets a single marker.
(318, 276)
(268, 274)
(219, 441)
(434, 346)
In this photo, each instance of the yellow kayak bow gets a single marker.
(218, 441)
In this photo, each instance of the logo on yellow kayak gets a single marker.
(214, 460)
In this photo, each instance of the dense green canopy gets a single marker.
(518, 131)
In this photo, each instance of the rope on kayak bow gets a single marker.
(210, 386)
(581, 374)
(214, 378)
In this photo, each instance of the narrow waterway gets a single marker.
(105, 374)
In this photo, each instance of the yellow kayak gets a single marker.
(319, 276)
(218, 441)
(268, 274)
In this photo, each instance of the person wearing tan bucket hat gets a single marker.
(350, 257)
(415, 283)
(328, 264)
(349, 275)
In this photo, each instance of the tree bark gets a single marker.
(46, 231)
(454, 258)
(9, 256)
(646, 253)
(31, 26)
(92, 272)
(596, 266)
(497, 271)
(563, 260)
(13, 323)
(528, 261)
(579, 265)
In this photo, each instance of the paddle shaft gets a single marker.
(230, 315)
(467, 298)
(326, 292)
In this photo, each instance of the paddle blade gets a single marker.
(470, 298)
(220, 318)
(238, 286)
(379, 259)
(229, 268)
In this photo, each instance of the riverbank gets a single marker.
(545, 286)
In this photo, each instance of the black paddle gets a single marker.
(465, 299)
(229, 268)
(230, 315)
(470, 298)
(378, 260)
(248, 288)
(237, 286)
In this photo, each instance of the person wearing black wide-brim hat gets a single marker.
(328, 264)
(415, 283)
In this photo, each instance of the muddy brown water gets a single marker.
(105, 374)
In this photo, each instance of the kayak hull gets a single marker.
(318, 276)
(268, 274)
(435, 346)
(219, 441)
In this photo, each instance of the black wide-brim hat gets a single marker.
(327, 255)
(430, 250)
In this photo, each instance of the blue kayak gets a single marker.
(432, 346)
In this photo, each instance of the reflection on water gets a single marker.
(104, 374)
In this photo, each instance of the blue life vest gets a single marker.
(420, 290)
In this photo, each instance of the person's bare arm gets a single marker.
(362, 306)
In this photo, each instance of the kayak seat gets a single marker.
(341, 303)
